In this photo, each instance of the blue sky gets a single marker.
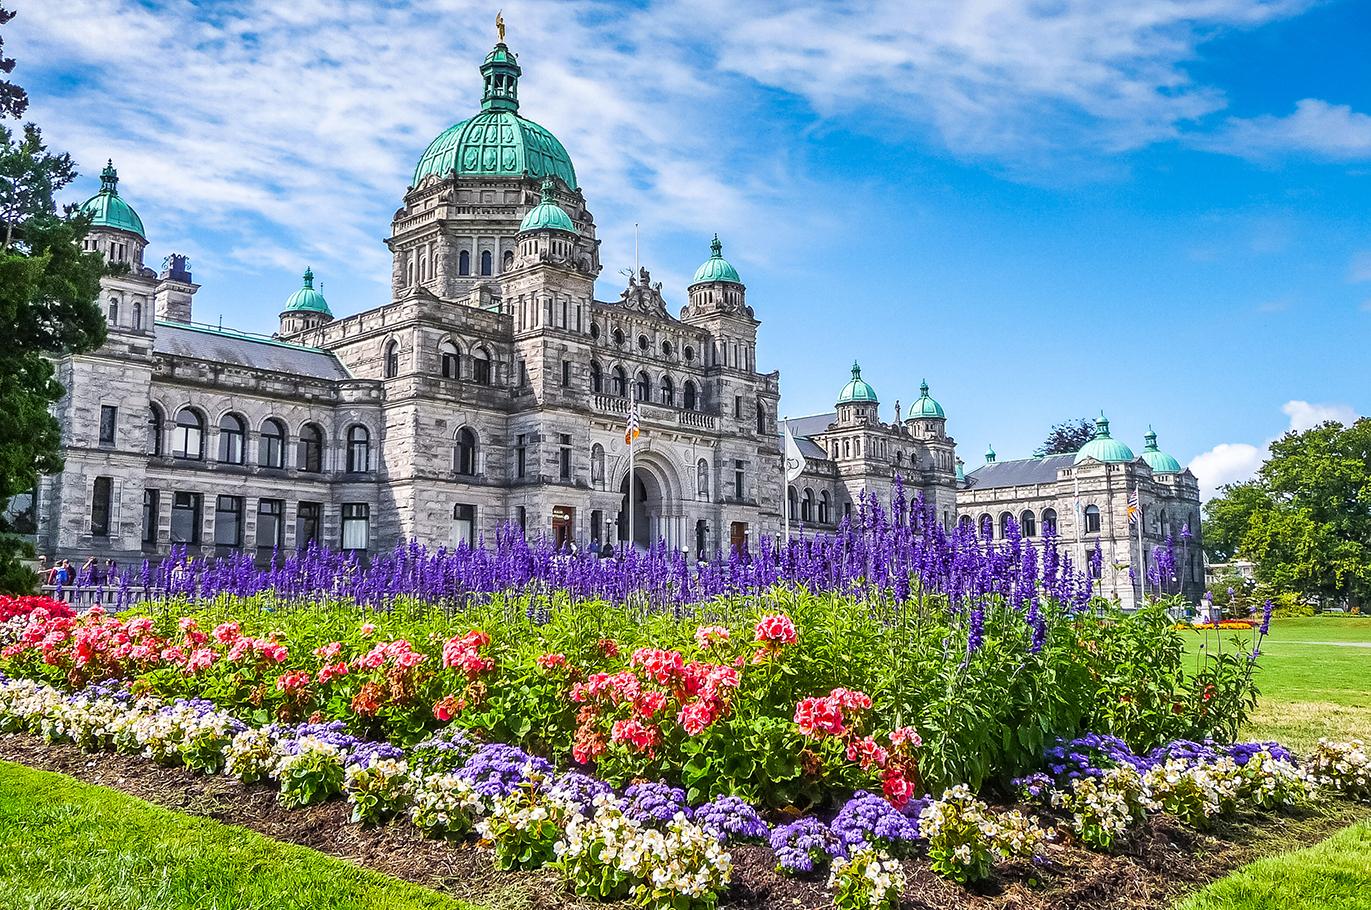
(1046, 208)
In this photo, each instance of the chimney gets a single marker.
(172, 299)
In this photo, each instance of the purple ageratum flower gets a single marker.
(1242, 753)
(365, 753)
(1189, 751)
(805, 845)
(730, 819)
(869, 820)
(442, 753)
(496, 770)
(1265, 627)
(578, 792)
(1034, 787)
(655, 804)
(1089, 756)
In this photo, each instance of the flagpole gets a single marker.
(631, 491)
(785, 488)
(1142, 554)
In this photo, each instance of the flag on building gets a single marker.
(631, 431)
(794, 458)
(1134, 509)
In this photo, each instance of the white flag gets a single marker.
(794, 461)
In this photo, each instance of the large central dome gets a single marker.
(497, 142)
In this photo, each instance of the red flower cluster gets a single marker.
(463, 652)
(10, 607)
(663, 667)
(641, 737)
(776, 629)
(823, 716)
(396, 653)
(897, 764)
(551, 661)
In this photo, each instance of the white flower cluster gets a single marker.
(871, 878)
(964, 836)
(1268, 782)
(24, 703)
(308, 770)
(184, 733)
(1105, 808)
(1341, 766)
(89, 723)
(379, 790)
(1194, 793)
(445, 805)
(251, 757)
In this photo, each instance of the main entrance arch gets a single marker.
(656, 504)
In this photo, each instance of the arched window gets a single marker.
(271, 444)
(964, 522)
(597, 466)
(761, 417)
(508, 261)
(1028, 524)
(642, 387)
(231, 433)
(1006, 520)
(691, 401)
(668, 392)
(309, 451)
(823, 507)
(807, 505)
(485, 262)
(449, 360)
(1092, 519)
(666, 349)
(480, 367)
(188, 441)
(619, 382)
(137, 315)
(359, 449)
(392, 360)
(987, 526)
(154, 430)
(464, 263)
(597, 380)
(792, 503)
(114, 311)
(1049, 521)
(464, 453)
(619, 337)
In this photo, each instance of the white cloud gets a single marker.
(1233, 462)
(1360, 268)
(1331, 131)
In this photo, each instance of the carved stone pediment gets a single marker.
(643, 295)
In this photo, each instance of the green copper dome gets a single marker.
(497, 142)
(108, 209)
(547, 215)
(307, 299)
(857, 391)
(1104, 447)
(925, 406)
(716, 267)
(1157, 460)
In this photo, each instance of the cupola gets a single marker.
(857, 390)
(1157, 460)
(1104, 447)
(306, 308)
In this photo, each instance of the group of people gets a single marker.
(62, 574)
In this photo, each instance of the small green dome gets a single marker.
(547, 215)
(1104, 447)
(497, 142)
(925, 406)
(1157, 460)
(108, 209)
(307, 299)
(990, 455)
(857, 391)
(716, 267)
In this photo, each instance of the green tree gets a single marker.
(48, 292)
(1305, 520)
(1067, 438)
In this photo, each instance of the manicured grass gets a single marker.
(1332, 875)
(64, 843)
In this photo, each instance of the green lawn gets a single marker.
(1332, 875)
(65, 844)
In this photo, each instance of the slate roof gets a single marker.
(811, 425)
(240, 349)
(1020, 472)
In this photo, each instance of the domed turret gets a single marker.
(305, 309)
(497, 142)
(925, 406)
(1104, 447)
(858, 391)
(716, 287)
(108, 209)
(716, 267)
(990, 454)
(547, 215)
(1157, 460)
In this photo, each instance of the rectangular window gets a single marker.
(270, 524)
(185, 518)
(464, 525)
(356, 525)
(521, 516)
(520, 457)
(480, 371)
(737, 406)
(308, 519)
(151, 511)
(564, 456)
(737, 480)
(109, 418)
(566, 374)
(523, 375)
(228, 521)
(102, 498)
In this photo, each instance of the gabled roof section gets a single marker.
(176, 339)
(1021, 472)
(812, 425)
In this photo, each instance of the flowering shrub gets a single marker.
(804, 846)
(523, 827)
(1343, 767)
(445, 805)
(964, 837)
(870, 880)
(309, 770)
(1194, 793)
(731, 820)
(871, 821)
(378, 790)
(599, 855)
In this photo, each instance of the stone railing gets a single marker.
(695, 419)
(610, 404)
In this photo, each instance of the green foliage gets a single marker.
(1067, 438)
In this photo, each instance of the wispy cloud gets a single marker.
(1360, 267)
(1315, 128)
(1234, 462)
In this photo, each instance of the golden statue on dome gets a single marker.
(500, 24)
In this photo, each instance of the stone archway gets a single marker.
(656, 502)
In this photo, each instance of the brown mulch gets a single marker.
(1163, 861)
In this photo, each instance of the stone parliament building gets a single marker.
(493, 387)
